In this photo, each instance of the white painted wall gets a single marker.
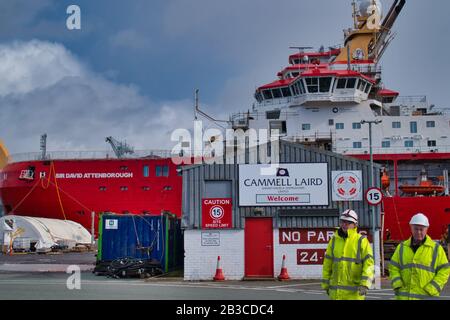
(290, 250)
(200, 261)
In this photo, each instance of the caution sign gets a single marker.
(216, 213)
(347, 185)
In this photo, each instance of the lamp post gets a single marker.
(371, 185)
(370, 122)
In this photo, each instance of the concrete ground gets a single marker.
(58, 262)
(53, 285)
(42, 277)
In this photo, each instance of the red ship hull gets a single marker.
(72, 189)
(399, 210)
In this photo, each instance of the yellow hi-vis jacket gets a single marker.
(420, 275)
(348, 264)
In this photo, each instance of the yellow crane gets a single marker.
(3, 155)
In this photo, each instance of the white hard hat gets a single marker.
(420, 219)
(349, 215)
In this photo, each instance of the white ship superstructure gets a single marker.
(325, 99)
(322, 97)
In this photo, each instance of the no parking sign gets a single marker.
(216, 213)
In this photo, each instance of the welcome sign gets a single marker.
(299, 184)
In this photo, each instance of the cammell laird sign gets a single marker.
(299, 184)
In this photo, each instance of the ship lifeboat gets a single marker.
(426, 187)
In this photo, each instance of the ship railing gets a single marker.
(86, 155)
(371, 68)
(275, 102)
(243, 117)
(411, 100)
(317, 136)
(442, 111)
(379, 150)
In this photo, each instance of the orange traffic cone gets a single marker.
(219, 273)
(283, 274)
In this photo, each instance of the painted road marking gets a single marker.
(295, 285)
(372, 294)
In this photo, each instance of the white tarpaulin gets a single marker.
(45, 232)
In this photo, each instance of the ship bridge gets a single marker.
(318, 84)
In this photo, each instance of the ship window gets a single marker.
(312, 84)
(273, 115)
(409, 144)
(356, 125)
(362, 84)
(396, 125)
(357, 145)
(123, 188)
(295, 74)
(146, 172)
(278, 125)
(286, 92)
(339, 126)
(165, 171)
(146, 188)
(413, 126)
(102, 188)
(258, 96)
(123, 168)
(325, 84)
(432, 143)
(331, 122)
(302, 87)
(351, 83)
(341, 83)
(276, 93)
(431, 124)
(158, 171)
(167, 188)
(267, 94)
(306, 126)
(296, 89)
(385, 144)
(368, 87)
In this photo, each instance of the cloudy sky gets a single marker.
(131, 70)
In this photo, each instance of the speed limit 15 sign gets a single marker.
(374, 196)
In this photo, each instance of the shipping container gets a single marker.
(145, 237)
